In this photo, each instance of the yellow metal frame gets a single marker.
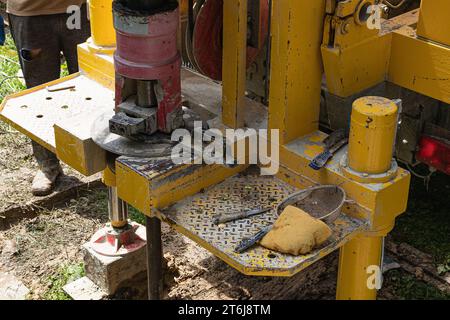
(234, 62)
(354, 58)
(433, 22)
(357, 57)
(296, 67)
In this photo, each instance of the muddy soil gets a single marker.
(35, 249)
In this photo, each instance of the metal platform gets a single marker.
(34, 112)
(193, 217)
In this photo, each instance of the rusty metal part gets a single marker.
(113, 242)
(154, 259)
(61, 88)
(154, 146)
(132, 120)
(117, 209)
(148, 66)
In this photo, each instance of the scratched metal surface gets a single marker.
(36, 113)
(242, 192)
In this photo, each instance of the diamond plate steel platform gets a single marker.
(193, 217)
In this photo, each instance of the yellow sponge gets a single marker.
(296, 233)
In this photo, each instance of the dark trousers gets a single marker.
(40, 40)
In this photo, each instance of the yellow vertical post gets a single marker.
(372, 138)
(102, 29)
(234, 61)
(296, 67)
(354, 261)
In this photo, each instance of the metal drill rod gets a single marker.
(117, 208)
(146, 96)
(154, 258)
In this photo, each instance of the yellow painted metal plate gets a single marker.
(194, 218)
(433, 22)
(34, 112)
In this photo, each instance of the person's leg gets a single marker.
(71, 38)
(39, 55)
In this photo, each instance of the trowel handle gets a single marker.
(247, 243)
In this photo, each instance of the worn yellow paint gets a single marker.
(147, 193)
(133, 188)
(296, 67)
(372, 135)
(109, 177)
(419, 65)
(355, 258)
(355, 57)
(27, 92)
(234, 62)
(353, 69)
(97, 66)
(81, 154)
(377, 202)
(434, 21)
(102, 30)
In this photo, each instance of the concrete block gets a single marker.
(113, 273)
(84, 289)
(11, 288)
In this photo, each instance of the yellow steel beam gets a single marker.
(147, 190)
(420, 65)
(296, 67)
(434, 21)
(234, 61)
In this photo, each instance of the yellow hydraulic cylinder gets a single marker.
(360, 269)
(372, 135)
(102, 29)
(372, 138)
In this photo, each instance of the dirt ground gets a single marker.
(39, 252)
(17, 169)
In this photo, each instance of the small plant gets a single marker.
(65, 275)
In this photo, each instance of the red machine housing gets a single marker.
(147, 50)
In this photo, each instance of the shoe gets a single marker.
(44, 181)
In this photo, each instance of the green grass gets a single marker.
(9, 67)
(426, 224)
(405, 286)
(65, 275)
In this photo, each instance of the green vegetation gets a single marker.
(405, 286)
(9, 68)
(10, 80)
(65, 275)
(426, 224)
